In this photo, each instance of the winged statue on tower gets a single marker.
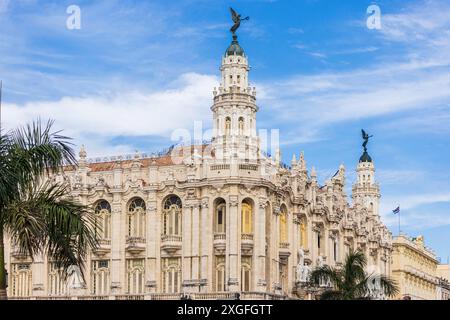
(237, 20)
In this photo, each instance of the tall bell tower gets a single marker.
(234, 109)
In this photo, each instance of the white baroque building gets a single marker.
(212, 220)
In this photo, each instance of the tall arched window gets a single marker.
(136, 218)
(283, 225)
(171, 275)
(227, 126)
(220, 216)
(220, 274)
(103, 219)
(21, 280)
(247, 217)
(303, 234)
(100, 277)
(57, 286)
(246, 274)
(135, 276)
(320, 241)
(172, 216)
(241, 125)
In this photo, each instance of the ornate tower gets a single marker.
(366, 191)
(234, 109)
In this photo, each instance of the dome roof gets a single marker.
(235, 48)
(365, 157)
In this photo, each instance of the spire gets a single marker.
(294, 160)
(278, 156)
(342, 170)
(313, 173)
(302, 162)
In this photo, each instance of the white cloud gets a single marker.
(393, 177)
(94, 120)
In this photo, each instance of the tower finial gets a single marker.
(365, 156)
(237, 21)
(302, 162)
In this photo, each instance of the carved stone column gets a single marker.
(276, 285)
(153, 244)
(195, 253)
(260, 246)
(205, 242)
(39, 275)
(117, 253)
(187, 246)
(233, 235)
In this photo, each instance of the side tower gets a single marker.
(365, 191)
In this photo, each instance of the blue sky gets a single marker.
(136, 70)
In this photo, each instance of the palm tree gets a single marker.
(351, 282)
(37, 215)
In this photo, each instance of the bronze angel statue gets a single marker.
(237, 20)
(365, 137)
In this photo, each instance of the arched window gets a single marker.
(100, 277)
(171, 275)
(283, 225)
(220, 274)
(336, 249)
(135, 276)
(320, 241)
(103, 219)
(241, 126)
(21, 280)
(57, 286)
(227, 126)
(136, 218)
(247, 217)
(172, 216)
(303, 234)
(220, 217)
(246, 274)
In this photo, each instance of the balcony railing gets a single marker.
(171, 243)
(135, 244)
(248, 167)
(135, 240)
(168, 296)
(170, 238)
(220, 236)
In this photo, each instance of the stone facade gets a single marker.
(213, 219)
(414, 269)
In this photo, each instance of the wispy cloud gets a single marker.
(94, 120)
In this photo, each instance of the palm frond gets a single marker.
(326, 274)
(46, 221)
(388, 286)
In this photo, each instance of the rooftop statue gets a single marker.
(366, 137)
(237, 20)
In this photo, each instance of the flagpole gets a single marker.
(399, 213)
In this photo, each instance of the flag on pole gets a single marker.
(396, 210)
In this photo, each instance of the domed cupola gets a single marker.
(365, 157)
(235, 49)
